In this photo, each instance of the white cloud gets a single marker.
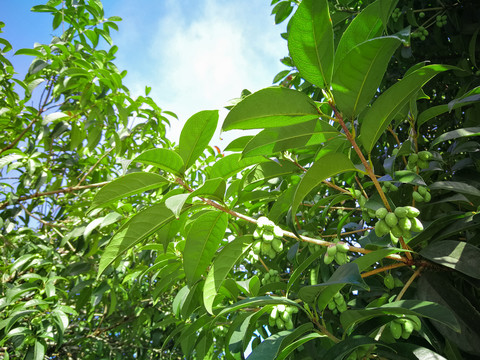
(201, 57)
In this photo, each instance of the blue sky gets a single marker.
(195, 54)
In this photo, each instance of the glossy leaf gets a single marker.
(455, 134)
(232, 164)
(269, 170)
(196, 134)
(175, 203)
(291, 347)
(130, 184)
(223, 263)
(257, 302)
(203, 239)
(456, 186)
(329, 165)
(271, 107)
(275, 140)
(137, 229)
(164, 159)
(386, 106)
(367, 25)
(421, 308)
(345, 274)
(212, 189)
(457, 255)
(358, 75)
(310, 41)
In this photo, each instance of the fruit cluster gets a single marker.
(337, 252)
(398, 223)
(420, 160)
(421, 194)
(313, 248)
(360, 353)
(268, 238)
(403, 327)
(421, 33)
(396, 14)
(441, 20)
(281, 316)
(337, 304)
(271, 276)
(388, 186)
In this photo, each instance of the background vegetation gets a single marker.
(346, 228)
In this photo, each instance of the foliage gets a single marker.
(347, 228)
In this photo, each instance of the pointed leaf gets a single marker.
(273, 140)
(359, 74)
(457, 255)
(164, 159)
(329, 165)
(455, 134)
(310, 41)
(175, 203)
(203, 239)
(271, 107)
(345, 274)
(137, 229)
(387, 105)
(455, 186)
(196, 134)
(224, 262)
(269, 170)
(258, 301)
(127, 185)
(365, 26)
(342, 349)
(212, 189)
(232, 164)
(291, 347)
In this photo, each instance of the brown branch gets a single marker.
(53, 192)
(408, 283)
(19, 137)
(94, 166)
(38, 218)
(382, 269)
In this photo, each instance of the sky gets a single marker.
(195, 54)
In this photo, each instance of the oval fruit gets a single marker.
(381, 213)
(396, 329)
(391, 219)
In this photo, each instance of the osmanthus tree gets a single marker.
(345, 229)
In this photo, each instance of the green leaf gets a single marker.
(301, 268)
(274, 140)
(232, 164)
(346, 346)
(269, 170)
(455, 186)
(327, 166)
(291, 347)
(212, 189)
(29, 52)
(137, 229)
(310, 41)
(421, 308)
(457, 255)
(455, 134)
(345, 274)
(53, 117)
(359, 74)
(126, 185)
(386, 106)
(225, 260)
(32, 85)
(271, 107)
(239, 144)
(196, 134)
(39, 349)
(164, 159)
(367, 25)
(175, 203)
(258, 301)
(203, 239)
(408, 177)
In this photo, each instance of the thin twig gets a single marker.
(94, 166)
(37, 218)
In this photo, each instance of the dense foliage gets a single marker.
(347, 228)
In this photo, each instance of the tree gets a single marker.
(346, 228)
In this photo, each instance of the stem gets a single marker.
(37, 218)
(368, 168)
(94, 166)
(409, 282)
(19, 137)
(60, 191)
(382, 269)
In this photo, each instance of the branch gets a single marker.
(37, 218)
(47, 193)
(14, 142)
(94, 166)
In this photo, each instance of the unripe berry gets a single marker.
(389, 281)
(381, 213)
(417, 197)
(391, 219)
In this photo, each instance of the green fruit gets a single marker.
(416, 322)
(371, 213)
(365, 215)
(393, 188)
(286, 316)
(391, 219)
(405, 224)
(396, 329)
(341, 258)
(407, 328)
(362, 201)
(422, 190)
(257, 234)
(272, 254)
(271, 321)
(291, 309)
(265, 248)
(280, 324)
(331, 250)
(427, 197)
(257, 247)
(393, 239)
(412, 212)
(412, 159)
(421, 15)
(331, 305)
(274, 314)
(381, 213)
(417, 226)
(327, 259)
(268, 236)
(289, 324)
(381, 228)
(389, 281)
(277, 232)
(417, 197)
(342, 307)
(342, 247)
(422, 164)
(396, 231)
(400, 212)
(406, 234)
(277, 245)
(262, 221)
